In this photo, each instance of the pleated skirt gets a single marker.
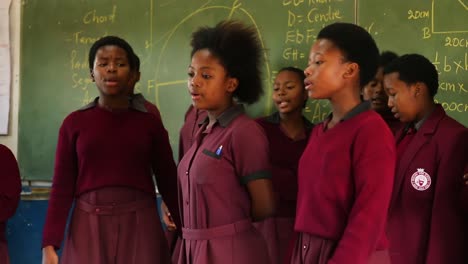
(115, 225)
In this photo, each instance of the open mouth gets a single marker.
(307, 84)
(195, 96)
(111, 82)
(282, 104)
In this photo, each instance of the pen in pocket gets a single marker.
(219, 150)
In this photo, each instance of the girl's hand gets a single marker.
(167, 218)
(49, 256)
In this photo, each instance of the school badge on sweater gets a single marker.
(421, 180)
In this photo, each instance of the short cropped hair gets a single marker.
(414, 68)
(300, 73)
(386, 57)
(112, 41)
(357, 45)
(239, 51)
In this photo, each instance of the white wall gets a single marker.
(12, 139)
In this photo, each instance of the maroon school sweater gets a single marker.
(284, 158)
(98, 148)
(345, 184)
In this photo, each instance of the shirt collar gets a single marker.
(137, 102)
(275, 118)
(227, 116)
(419, 124)
(360, 108)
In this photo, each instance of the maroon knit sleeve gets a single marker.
(63, 186)
(165, 170)
(10, 187)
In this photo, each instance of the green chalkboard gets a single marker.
(438, 29)
(56, 36)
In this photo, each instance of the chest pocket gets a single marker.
(208, 166)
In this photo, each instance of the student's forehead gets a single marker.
(287, 76)
(325, 47)
(205, 59)
(111, 49)
(391, 79)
